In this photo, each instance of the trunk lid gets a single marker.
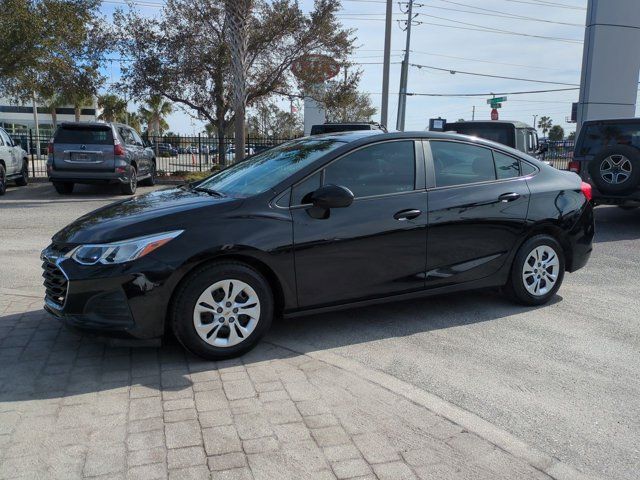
(84, 147)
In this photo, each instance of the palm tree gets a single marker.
(153, 113)
(545, 124)
(114, 108)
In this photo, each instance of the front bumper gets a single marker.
(128, 300)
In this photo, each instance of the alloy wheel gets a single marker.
(540, 270)
(226, 313)
(615, 169)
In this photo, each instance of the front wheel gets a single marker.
(23, 179)
(222, 310)
(537, 271)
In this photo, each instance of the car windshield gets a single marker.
(265, 170)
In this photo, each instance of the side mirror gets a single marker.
(332, 196)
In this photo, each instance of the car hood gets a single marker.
(155, 212)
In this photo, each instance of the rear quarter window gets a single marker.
(595, 138)
(86, 135)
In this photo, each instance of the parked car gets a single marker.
(335, 127)
(317, 224)
(231, 153)
(607, 156)
(92, 152)
(511, 133)
(166, 149)
(14, 163)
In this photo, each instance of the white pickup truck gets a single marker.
(14, 164)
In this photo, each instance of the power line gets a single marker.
(547, 4)
(491, 76)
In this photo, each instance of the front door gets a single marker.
(477, 212)
(377, 245)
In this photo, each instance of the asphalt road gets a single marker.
(564, 378)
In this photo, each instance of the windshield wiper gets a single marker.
(210, 191)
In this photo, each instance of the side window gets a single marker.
(136, 138)
(506, 166)
(461, 163)
(4, 139)
(527, 168)
(375, 170)
(127, 138)
(302, 191)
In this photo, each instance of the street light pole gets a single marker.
(402, 96)
(384, 109)
(534, 122)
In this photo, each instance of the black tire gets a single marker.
(63, 188)
(3, 180)
(151, 180)
(131, 186)
(181, 313)
(23, 179)
(629, 158)
(516, 288)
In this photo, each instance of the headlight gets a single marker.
(120, 252)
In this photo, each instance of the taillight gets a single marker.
(586, 190)
(574, 167)
(50, 147)
(118, 149)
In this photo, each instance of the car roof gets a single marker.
(613, 120)
(85, 124)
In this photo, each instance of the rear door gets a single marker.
(477, 211)
(84, 147)
(135, 151)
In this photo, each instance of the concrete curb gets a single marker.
(502, 439)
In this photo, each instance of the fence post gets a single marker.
(199, 152)
(33, 163)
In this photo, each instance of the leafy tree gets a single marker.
(343, 102)
(184, 55)
(556, 133)
(269, 120)
(572, 136)
(52, 49)
(545, 124)
(114, 108)
(153, 113)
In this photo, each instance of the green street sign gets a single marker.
(496, 105)
(496, 100)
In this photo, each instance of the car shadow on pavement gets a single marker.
(614, 224)
(42, 359)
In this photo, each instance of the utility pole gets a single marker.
(473, 113)
(384, 110)
(534, 122)
(37, 123)
(402, 95)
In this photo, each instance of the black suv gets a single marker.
(607, 155)
(331, 127)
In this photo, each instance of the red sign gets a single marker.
(315, 66)
(494, 114)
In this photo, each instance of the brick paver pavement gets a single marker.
(71, 407)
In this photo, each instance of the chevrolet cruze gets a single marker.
(316, 224)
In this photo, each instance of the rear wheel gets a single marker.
(616, 170)
(222, 310)
(23, 179)
(537, 271)
(63, 188)
(131, 186)
(3, 180)
(151, 180)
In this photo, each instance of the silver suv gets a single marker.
(14, 164)
(92, 152)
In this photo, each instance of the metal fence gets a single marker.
(175, 155)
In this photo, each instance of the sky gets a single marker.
(537, 40)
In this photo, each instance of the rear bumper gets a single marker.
(88, 177)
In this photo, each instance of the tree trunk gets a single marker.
(237, 15)
(54, 118)
(77, 113)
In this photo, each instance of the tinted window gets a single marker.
(375, 170)
(137, 139)
(303, 190)
(500, 133)
(4, 138)
(265, 170)
(460, 163)
(126, 136)
(506, 166)
(84, 135)
(598, 137)
(527, 169)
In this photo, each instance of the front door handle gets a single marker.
(509, 197)
(407, 214)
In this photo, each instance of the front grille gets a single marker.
(55, 283)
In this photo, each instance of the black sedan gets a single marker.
(316, 224)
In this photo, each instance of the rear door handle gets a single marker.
(407, 214)
(509, 197)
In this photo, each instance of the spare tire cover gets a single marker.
(616, 170)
